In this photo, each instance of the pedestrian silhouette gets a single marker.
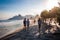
(39, 24)
(34, 21)
(28, 23)
(24, 23)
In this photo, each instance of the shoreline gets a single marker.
(12, 32)
(32, 28)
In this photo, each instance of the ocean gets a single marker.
(6, 27)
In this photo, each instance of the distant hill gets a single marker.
(29, 16)
(19, 17)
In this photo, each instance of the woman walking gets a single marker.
(28, 23)
(24, 23)
(39, 24)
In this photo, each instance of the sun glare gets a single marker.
(51, 4)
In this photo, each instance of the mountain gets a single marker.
(18, 17)
(29, 16)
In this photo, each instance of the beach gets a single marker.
(9, 27)
(31, 34)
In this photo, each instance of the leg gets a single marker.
(39, 28)
(24, 26)
(27, 27)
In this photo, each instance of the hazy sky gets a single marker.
(9, 8)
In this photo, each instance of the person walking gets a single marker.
(39, 24)
(24, 23)
(34, 21)
(28, 23)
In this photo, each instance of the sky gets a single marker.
(10, 8)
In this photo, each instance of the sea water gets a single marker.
(6, 27)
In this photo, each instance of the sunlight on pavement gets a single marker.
(36, 34)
